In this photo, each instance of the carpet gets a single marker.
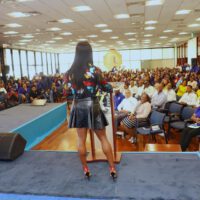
(173, 176)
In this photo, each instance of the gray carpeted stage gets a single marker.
(141, 176)
(19, 115)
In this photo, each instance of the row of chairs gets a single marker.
(175, 115)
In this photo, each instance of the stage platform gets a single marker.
(34, 123)
(142, 176)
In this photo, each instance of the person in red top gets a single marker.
(85, 80)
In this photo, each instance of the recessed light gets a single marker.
(168, 31)
(194, 25)
(149, 28)
(154, 2)
(13, 25)
(183, 33)
(10, 33)
(114, 37)
(122, 16)
(82, 39)
(130, 33)
(106, 31)
(163, 37)
(27, 36)
(54, 29)
(148, 35)
(102, 41)
(151, 22)
(81, 8)
(57, 38)
(101, 25)
(92, 36)
(183, 12)
(132, 39)
(21, 43)
(198, 19)
(158, 43)
(25, 40)
(66, 33)
(19, 14)
(51, 41)
(65, 21)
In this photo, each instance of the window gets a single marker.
(49, 63)
(168, 53)
(38, 57)
(44, 62)
(16, 63)
(31, 63)
(53, 63)
(157, 54)
(146, 54)
(24, 63)
(8, 61)
(135, 55)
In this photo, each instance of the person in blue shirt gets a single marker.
(118, 97)
(189, 133)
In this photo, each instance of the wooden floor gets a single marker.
(65, 139)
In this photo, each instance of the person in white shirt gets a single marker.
(140, 89)
(148, 89)
(2, 88)
(170, 93)
(133, 88)
(189, 98)
(3, 93)
(142, 111)
(129, 104)
(192, 82)
(159, 98)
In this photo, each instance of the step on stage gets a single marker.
(34, 123)
(39, 175)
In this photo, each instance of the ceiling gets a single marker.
(47, 12)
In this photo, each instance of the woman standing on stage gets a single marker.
(85, 80)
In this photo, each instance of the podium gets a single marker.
(96, 156)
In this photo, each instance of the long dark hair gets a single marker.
(83, 58)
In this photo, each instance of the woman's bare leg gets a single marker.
(107, 149)
(82, 136)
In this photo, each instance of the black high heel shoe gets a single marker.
(87, 172)
(113, 173)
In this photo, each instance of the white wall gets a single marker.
(192, 49)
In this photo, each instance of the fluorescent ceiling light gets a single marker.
(151, 22)
(65, 21)
(114, 37)
(92, 36)
(51, 41)
(154, 2)
(106, 31)
(149, 28)
(163, 37)
(54, 29)
(25, 40)
(102, 41)
(13, 25)
(23, 0)
(122, 16)
(168, 31)
(27, 36)
(174, 39)
(158, 43)
(148, 35)
(130, 33)
(81, 8)
(198, 19)
(183, 12)
(57, 38)
(66, 33)
(19, 14)
(193, 25)
(183, 33)
(10, 33)
(132, 39)
(21, 43)
(101, 25)
(82, 39)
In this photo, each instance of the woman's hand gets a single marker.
(132, 117)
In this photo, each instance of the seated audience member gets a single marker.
(189, 98)
(133, 88)
(182, 88)
(23, 93)
(127, 106)
(189, 133)
(148, 89)
(159, 98)
(118, 97)
(192, 82)
(3, 93)
(34, 93)
(140, 89)
(143, 110)
(170, 93)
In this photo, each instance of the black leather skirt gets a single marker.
(87, 113)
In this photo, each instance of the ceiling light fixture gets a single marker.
(130, 33)
(154, 2)
(183, 12)
(151, 22)
(66, 33)
(92, 36)
(54, 29)
(168, 31)
(100, 25)
(65, 21)
(106, 31)
(13, 25)
(10, 33)
(149, 28)
(193, 25)
(19, 14)
(122, 16)
(81, 8)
